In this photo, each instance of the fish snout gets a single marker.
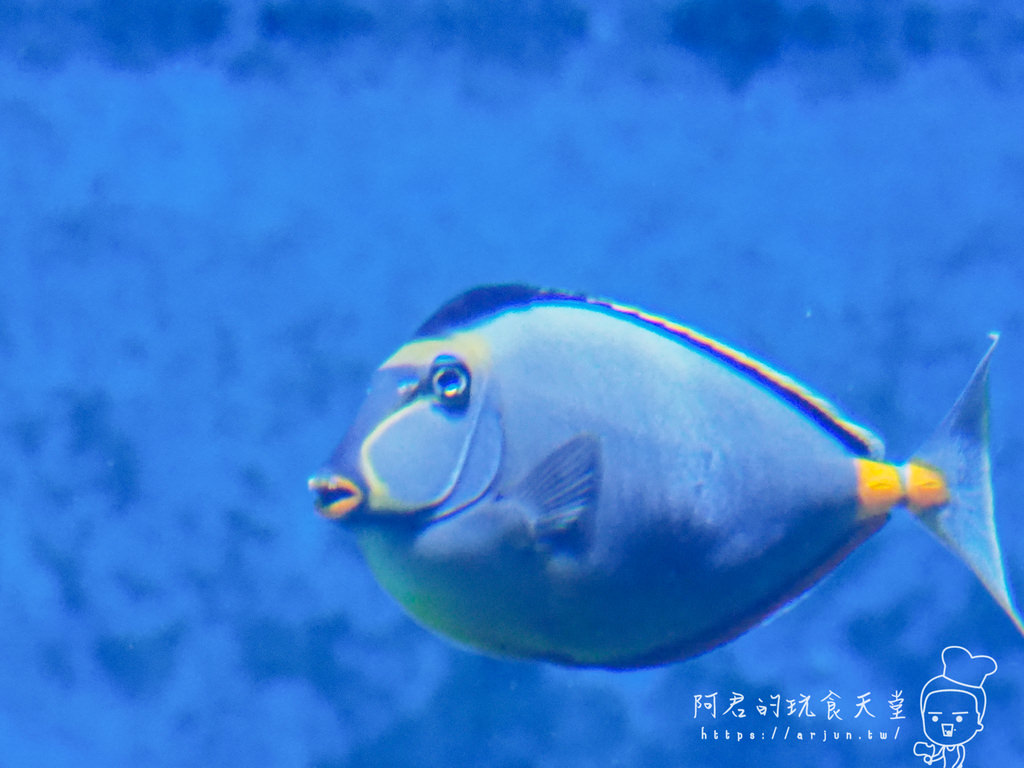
(336, 496)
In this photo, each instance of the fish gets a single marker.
(546, 475)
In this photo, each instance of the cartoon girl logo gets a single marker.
(953, 706)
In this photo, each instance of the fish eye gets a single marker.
(449, 381)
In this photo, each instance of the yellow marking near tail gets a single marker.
(926, 487)
(879, 487)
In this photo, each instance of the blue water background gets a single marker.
(218, 217)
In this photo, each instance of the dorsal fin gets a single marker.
(478, 303)
(490, 300)
(855, 438)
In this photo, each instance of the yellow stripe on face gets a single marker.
(467, 346)
(926, 487)
(879, 487)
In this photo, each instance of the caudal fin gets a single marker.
(959, 451)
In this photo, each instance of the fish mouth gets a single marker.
(336, 496)
(947, 730)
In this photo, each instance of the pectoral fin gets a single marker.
(563, 491)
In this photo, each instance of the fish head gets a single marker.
(426, 442)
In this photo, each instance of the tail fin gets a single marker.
(965, 524)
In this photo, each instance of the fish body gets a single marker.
(550, 476)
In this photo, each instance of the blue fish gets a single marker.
(546, 475)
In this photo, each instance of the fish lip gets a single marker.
(337, 497)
